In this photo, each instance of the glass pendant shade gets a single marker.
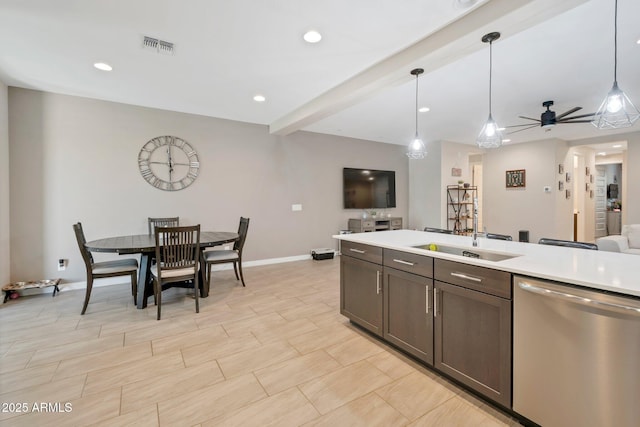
(417, 149)
(490, 135)
(616, 111)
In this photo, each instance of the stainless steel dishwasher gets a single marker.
(576, 355)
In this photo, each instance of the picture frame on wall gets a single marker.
(567, 177)
(591, 194)
(560, 168)
(567, 193)
(456, 172)
(587, 171)
(591, 179)
(586, 187)
(560, 185)
(515, 178)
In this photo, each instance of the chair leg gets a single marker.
(235, 269)
(157, 290)
(88, 293)
(240, 268)
(196, 291)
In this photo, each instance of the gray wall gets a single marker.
(75, 159)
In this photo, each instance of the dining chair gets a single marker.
(178, 252)
(104, 269)
(568, 243)
(498, 236)
(234, 255)
(152, 223)
(438, 230)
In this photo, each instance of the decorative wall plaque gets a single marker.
(516, 178)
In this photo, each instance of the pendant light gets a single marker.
(417, 149)
(490, 135)
(617, 110)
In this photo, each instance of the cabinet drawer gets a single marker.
(368, 224)
(472, 277)
(362, 251)
(396, 222)
(411, 263)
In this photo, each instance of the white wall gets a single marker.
(509, 210)
(75, 159)
(4, 187)
(425, 190)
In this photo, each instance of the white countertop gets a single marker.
(602, 270)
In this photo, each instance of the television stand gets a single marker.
(365, 225)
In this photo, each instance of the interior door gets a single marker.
(601, 202)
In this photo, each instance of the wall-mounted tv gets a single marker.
(368, 188)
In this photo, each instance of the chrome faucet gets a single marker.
(475, 221)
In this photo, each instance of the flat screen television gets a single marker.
(368, 188)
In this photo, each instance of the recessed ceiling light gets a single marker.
(602, 153)
(312, 36)
(103, 66)
(259, 98)
(506, 140)
(638, 42)
(423, 109)
(617, 146)
(501, 129)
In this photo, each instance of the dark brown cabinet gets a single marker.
(473, 328)
(408, 322)
(361, 285)
(453, 316)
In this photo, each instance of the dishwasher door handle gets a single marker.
(540, 290)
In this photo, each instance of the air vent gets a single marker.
(158, 46)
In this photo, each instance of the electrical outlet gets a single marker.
(62, 264)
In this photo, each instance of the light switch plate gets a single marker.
(296, 207)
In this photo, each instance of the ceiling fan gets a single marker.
(548, 119)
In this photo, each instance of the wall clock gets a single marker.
(168, 163)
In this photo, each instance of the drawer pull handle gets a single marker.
(435, 302)
(426, 300)
(358, 251)
(400, 261)
(467, 277)
(377, 282)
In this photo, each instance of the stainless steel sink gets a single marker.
(467, 252)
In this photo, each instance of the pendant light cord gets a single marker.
(417, 105)
(615, 44)
(490, 71)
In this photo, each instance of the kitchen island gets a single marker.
(472, 313)
(600, 270)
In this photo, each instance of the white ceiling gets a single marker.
(354, 83)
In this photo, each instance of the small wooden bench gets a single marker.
(19, 286)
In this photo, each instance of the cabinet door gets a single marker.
(473, 339)
(361, 292)
(408, 322)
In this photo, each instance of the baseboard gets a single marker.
(110, 281)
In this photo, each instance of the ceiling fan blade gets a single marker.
(578, 117)
(529, 118)
(564, 122)
(566, 113)
(520, 130)
(517, 126)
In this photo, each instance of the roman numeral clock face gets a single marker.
(168, 163)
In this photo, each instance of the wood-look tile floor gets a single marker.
(276, 353)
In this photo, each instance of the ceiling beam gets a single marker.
(445, 45)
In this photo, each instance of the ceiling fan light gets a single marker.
(490, 135)
(616, 111)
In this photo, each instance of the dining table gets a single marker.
(145, 245)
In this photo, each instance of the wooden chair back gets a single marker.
(178, 248)
(173, 221)
(242, 234)
(80, 238)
